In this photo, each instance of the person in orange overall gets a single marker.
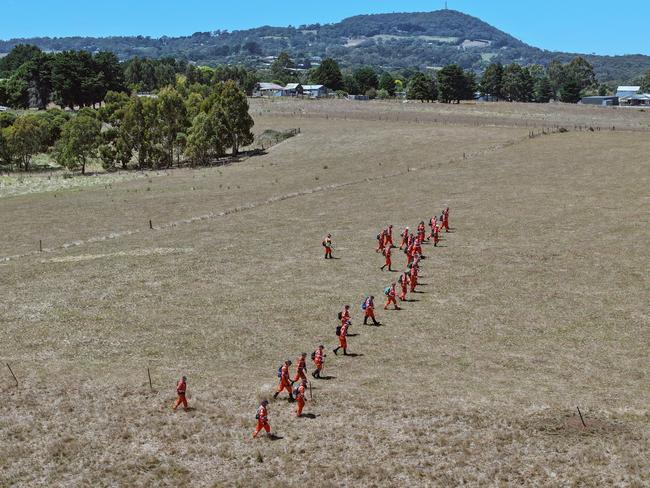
(445, 221)
(301, 368)
(432, 225)
(405, 238)
(262, 417)
(344, 315)
(387, 261)
(343, 343)
(381, 239)
(327, 244)
(300, 398)
(285, 381)
(389, 236)
(421, 231)
(417, 247)
(436, 235)
(414, 278)
(391, 297)
(409, 255)
(404, 283)
(318, 358)
(411, 240)
(181, 388)
(369, 311)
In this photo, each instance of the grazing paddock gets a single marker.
(535, 304)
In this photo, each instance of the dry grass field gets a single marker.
(536, 303)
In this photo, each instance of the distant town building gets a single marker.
(314, 91)
(267, 90)
(602, 101)
(629, 95)
(358, 97)
(293, 90)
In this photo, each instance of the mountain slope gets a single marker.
(390, 41)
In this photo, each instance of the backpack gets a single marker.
(257, 416)
(363, 304)
(295, 391)
(338, 330)
(313, 355)
(387, 291)
(280, 371)
(340, 315)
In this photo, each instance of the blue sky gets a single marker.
(567, 25)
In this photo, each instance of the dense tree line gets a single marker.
(30, 78)
(183, 123)
(516, 83)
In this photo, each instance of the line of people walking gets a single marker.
(296, 385)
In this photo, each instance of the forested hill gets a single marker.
(389, 41)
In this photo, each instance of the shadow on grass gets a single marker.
(309, 416)
(326, 378)
(352, 335)
(274, 437)
(353, 355)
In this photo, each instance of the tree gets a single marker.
(350, 85)
(237, 122)
(492, 81)
(328, 74)
(6, 149)
(205, 137)
(454, 84)
(422, 88)
(172, 116)
(281, 68)
(19, 55)
(366, 78)
(543, 90)
(139, 129)
(645, 82)
(517, 84)
(25, 137)
(570, 91)
(557, 75)
(387, 82)
(582, 72)
(79, 141)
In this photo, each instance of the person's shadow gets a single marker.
(274, 437)
(309, 416)
(353, 355)
(326, 378)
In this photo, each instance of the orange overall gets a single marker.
(181, 387)
(343, 343)
(300, 369)
(391, 298)
(285, 381)
(262, 421)
(300, 400)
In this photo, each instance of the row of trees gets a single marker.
(70, 78)
(565, 82)
(32, 78)
(195, 123)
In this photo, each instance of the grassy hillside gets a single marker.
(402, 40)
(535, 304)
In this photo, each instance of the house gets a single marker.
(602, 101)
(627, 91)
(314, 91)
(267, 90)
(292, 90)
(358, 97)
